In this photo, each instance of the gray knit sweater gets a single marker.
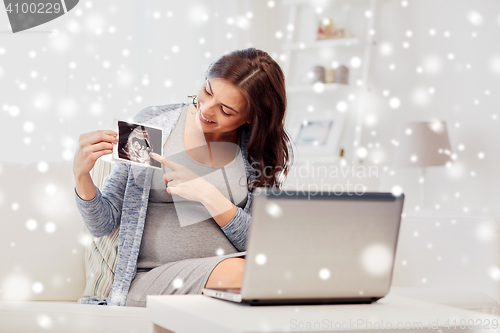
(124, 200)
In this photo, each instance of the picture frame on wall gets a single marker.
(317, 135)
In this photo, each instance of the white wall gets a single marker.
(464, 71)
(44, 114)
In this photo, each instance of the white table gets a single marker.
(201, 314)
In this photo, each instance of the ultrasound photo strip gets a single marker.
(135, 142)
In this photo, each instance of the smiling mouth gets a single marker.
(205, 119)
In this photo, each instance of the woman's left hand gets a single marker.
(184, 182)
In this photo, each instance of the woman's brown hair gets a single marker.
(261, 80)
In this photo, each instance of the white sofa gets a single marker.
(42, 274)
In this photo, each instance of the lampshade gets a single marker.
(421, 144)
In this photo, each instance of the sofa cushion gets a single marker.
(64, 317)
(42, 256)
(101, 253)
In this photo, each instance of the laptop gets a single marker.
(318, 248)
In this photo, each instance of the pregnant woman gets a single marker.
(186, 228)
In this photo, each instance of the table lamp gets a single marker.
(421, 144)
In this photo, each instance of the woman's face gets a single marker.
(221, 103)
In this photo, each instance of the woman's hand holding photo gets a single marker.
(182, 181)
(190, 186)
(91, 146)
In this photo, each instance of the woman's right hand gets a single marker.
(91, 146)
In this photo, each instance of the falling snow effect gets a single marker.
(31, 224)
(44, 321)
(260, 259)
(274, 209)
(377, 259)
(177, 283)
(324, 274)
(94, 67)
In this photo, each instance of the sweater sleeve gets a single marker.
(102, 214)
(237, 229)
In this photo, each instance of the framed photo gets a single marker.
(135, 142)
(317, 134)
